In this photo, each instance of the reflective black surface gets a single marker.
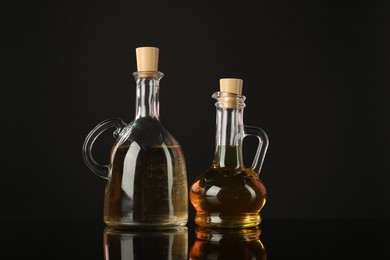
(276, 239)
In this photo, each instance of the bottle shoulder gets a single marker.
(225, 174)
(228, 171)
(147, 131)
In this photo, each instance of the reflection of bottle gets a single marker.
(133, 244)
(229, 194)
(222, 243)
(147, 182)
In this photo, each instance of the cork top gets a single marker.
(231, 85)
(230, 93)
(147, 61)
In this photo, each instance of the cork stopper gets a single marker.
(231, 85)
(230, 92)
(147, 61)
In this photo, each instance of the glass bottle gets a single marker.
(146, 176)
(228, 194)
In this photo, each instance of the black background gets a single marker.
(315, 77)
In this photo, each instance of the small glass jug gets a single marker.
(146, 176)
(228, 194)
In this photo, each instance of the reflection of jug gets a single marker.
(133, 244)
(147, 182)
(222, 243)
(228, 194)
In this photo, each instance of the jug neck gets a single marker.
(229, 137)
(147, 94)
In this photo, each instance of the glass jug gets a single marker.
(228, 194)
(146, 176)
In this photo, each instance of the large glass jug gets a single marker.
(146, 176)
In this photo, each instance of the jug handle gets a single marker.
(97, 168)
(262, 147)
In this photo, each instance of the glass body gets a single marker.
(229, 194)
(214, 243)
(146, 177)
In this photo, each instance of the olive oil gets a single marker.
(147, 187)
(226, 197)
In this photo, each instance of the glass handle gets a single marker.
(261, 149)
(97, 168)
